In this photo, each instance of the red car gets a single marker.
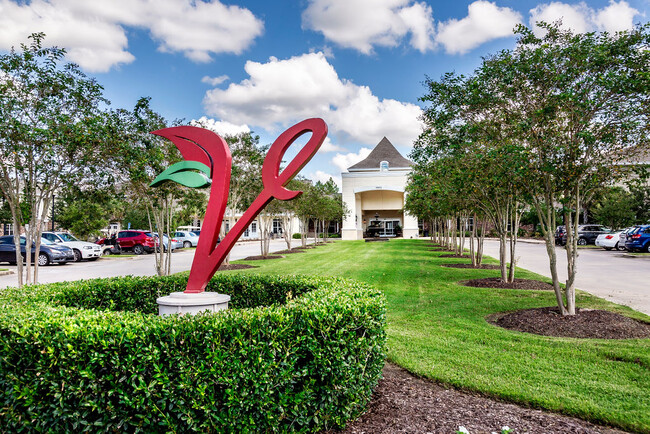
(138, 241)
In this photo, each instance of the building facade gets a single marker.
(374, 192)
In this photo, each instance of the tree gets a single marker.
(574, 104)
(85, 211)
(139, 157)
(615, 208)
(51, 135)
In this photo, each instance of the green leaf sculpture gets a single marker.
(183, 173)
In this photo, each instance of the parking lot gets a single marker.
(615, 276)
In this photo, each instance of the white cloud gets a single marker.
(616, 17)
(220, 127)
(484, 21)
(324, 177)
(581, 18)
(343, 161)
(281, 92)
(94, 32)
(328, 146)
(363, 24)
(214, 81)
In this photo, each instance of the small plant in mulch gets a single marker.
(228, 267)
(261, 258)
(496, 282)
(586, 323)
(473, 267)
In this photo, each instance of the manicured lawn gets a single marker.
(437, 329)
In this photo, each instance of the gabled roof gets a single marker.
(384, 151)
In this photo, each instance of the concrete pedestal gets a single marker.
(181, 303)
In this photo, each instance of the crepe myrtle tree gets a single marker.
(51, 134)
(138, 158)
(575, 105)
(469, 154)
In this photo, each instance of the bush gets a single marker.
(296, 236)
(293, 354)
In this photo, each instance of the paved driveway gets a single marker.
(143, 265)
(610, 275)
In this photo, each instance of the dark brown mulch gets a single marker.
(586, 323)
(261, 258)
(302, 248)
(440, 250)
(403, 403)
(495, 282)
(455, 256)
(480, 267)
(226, 267)
(294, 250)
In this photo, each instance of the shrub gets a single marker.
(293, 354)
(296, 236)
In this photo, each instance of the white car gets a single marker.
(609, 241)
(189, 239)
(81, 249)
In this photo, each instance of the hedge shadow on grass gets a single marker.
(293, 353)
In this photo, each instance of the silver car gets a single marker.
(189, 239)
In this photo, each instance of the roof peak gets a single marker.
(384, 151)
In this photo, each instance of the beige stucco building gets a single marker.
(373, 191)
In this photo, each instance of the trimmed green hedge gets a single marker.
(295, 354)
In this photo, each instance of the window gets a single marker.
(277, 226)
(254, 227)
(9, 229)
(383, 166)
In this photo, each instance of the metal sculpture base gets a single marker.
(181, 303)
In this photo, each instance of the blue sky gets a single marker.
(264, 65)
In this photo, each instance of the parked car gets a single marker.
(81, 249)
(49, 253)
(175, 243)
(136, 240)
(622, 238)
(638, 239)
(197, 233)
(587, 234)
(189, 239)
(609, 241)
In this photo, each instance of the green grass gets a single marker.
(437, 329)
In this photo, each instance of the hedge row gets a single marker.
(295, 354)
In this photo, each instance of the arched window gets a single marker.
(383, 166)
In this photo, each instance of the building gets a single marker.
(373, 191)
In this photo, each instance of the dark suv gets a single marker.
(587, 234)
(638, 239)
(138, 241)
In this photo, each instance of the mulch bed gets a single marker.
(495, 282)
(261, 258)
(440, 250)
(586, 323)
(403, 403)
(295, 250)
(480, 267)
(302, 248)
(228, 267)
(455, 256)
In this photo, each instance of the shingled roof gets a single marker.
(384, 151)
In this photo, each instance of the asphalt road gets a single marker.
(144, 265)
(610, 275)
